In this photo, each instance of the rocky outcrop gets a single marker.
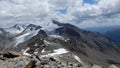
(22, 61)
(31, 64)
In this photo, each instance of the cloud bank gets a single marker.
(77, 12)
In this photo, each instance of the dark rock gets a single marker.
(78, 65)
(52, 59)
(31, 64)
(9, 54)
(44, 61)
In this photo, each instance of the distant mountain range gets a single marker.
(102, 29)
(90, 48)
(111, 32)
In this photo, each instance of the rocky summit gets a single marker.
(56, 45)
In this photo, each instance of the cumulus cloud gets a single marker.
(77, 12)
(101, 13)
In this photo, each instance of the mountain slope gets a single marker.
(90, 47)
(102, 29)
(113, 34)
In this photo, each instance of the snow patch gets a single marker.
(43, 51)
(36, 51)
(36, 45)
(25, 52)
(46, 42)
(57, 36)
(77, 58)
(113, 66)
(56, 52)
(60, 51)
(66, 40)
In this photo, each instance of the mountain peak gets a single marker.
(19, 26)
(58, 23)
(32, 27)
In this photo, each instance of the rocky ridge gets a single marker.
(65, 46)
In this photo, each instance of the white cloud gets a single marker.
(23, 7)
(37, 11)
(104, 11)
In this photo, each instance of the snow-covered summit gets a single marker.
(19, 27)
(32, 27)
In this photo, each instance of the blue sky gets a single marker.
(62, 11)
(89, 1)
